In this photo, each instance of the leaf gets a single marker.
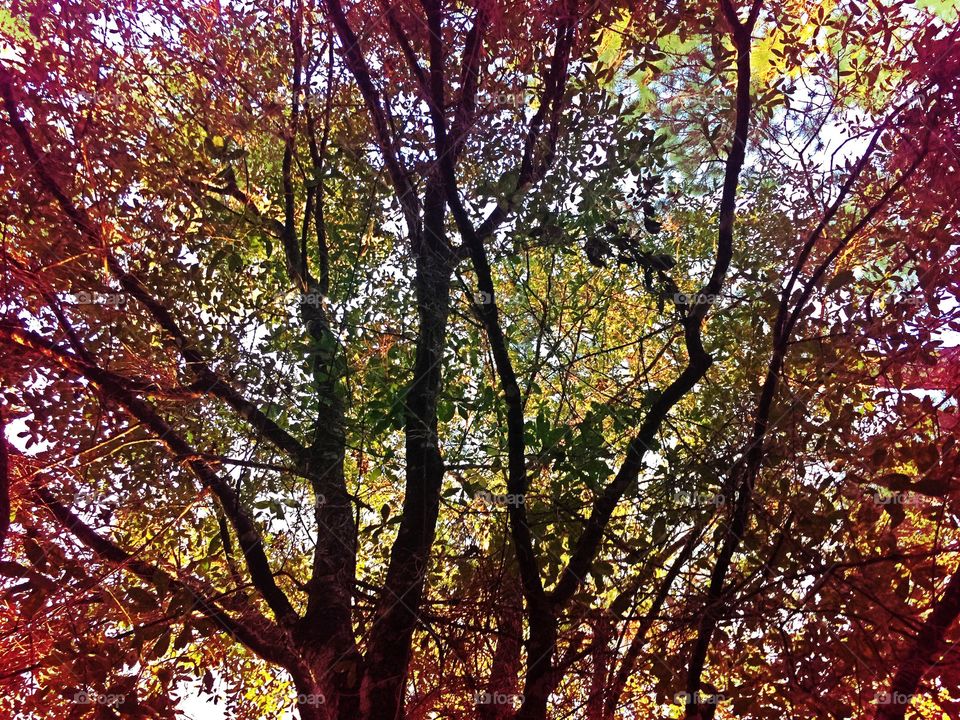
(621, 604)
(902, 589)
(897, 482)
(842, 278)
(934, 487)
(161, 646)
(659, 530)
(445, 411)
(184, 637)
(207, 681)
(926, 456)
(143, 600)
(35, 554)
(896, 512)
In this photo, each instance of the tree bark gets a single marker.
(600, 657)
(506, 668)
(923, 654)
(397, 614)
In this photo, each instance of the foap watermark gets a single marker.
(892, 698)
(896, 498)
(313, 299)
(697, 499)
(911, 300)
(691, 299)
(89, 697)
(100, 98)
(312, 699)
(96, 298)
(699, 698)
(514, 700)
(514, 99)
(494, 499)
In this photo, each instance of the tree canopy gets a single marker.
(372, 360)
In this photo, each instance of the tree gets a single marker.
(479, 360)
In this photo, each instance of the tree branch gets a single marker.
(295, 261)
(699, 360)
(923, 653)
(251, 543)
(271, 650)
(357, 64)
(745, 472)
(210, 381)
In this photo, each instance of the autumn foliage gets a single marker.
(364, 360)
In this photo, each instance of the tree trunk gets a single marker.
(396, 617)
(600, 661)
(923, 655)
(498, 701)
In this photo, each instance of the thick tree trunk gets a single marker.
(923, 655)
(600, 657)
(396, 617)
(315, 704)
(326, 631)
(540, 674)
(499, 700)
